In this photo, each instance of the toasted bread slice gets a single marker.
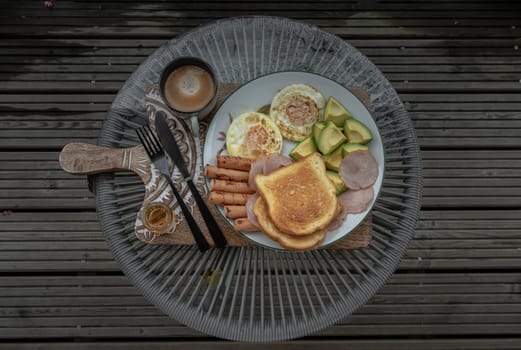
(300, 197)
(260, 209)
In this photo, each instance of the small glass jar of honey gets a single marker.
(158, 218)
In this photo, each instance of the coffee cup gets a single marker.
(189, 88)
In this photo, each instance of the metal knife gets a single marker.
(172, 149)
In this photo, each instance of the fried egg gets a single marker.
(253, 135)
(295, 108)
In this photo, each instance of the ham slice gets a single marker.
(338, 220)
(249, 210)
(275, 161)
(356, 201)
(352, 202)
(265, 165)
(257, 167)
(359, 170)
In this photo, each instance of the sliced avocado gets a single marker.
(334, 159)
(356, 132)
(303, 149)
(336, 112)
(351, 147)
(330, 138)
(337, 181)
(317, 129)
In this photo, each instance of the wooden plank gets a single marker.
(445, 239)
(381, 5)
(496, 103)
(97, 43)
(57, 98)
(408, 86)
(425, 57)
(307, 5)
(455, 89)
(186, 8)
(118, 18)
(97, 86)
(170, 331)
(447, 60)
(406, 48)
(419, 330)
(335, 5)
(487, 115)
(394, 73)
(436, 129)
(507, 61)
(372, 51)
(431, 285)
(372, 47)
(53, 242)
(109, 306)
(334, 344)
(447, 68)
(154, 29)
(471, 97)
(118, 285)
(14, 67)
(61, 108)
(105, 60)
(417, 262)
(134, 311)
(110, 83)
(104, 42)
(80, 86)
(478, 107)
(101, 99)
(482, 179)
(493, 81)
(493, 125)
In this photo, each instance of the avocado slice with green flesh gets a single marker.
(330, 138)
(337, 181)
(303, 149)
(356, 132)
(351, 147)
(334, 159)
(317, 129)
(335, 112)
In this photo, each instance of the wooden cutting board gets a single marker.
(86, 159)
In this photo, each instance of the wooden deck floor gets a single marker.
(456, 65)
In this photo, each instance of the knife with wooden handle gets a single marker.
(172, 149)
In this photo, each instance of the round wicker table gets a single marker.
(263, 295)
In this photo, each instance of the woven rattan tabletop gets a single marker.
(259, 294)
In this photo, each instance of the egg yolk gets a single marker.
(256, 135)
(259, 139)
(301, 110)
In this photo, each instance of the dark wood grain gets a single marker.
(474, 240)
(108, 306)
(456, 178)
(393, 344)
(456, 65)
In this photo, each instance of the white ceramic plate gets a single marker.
(259, 92)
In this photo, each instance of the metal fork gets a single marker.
(158, 157)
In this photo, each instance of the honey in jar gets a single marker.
(158, 218)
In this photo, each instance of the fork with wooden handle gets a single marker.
(158, 157)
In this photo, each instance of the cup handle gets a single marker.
(194, 125)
